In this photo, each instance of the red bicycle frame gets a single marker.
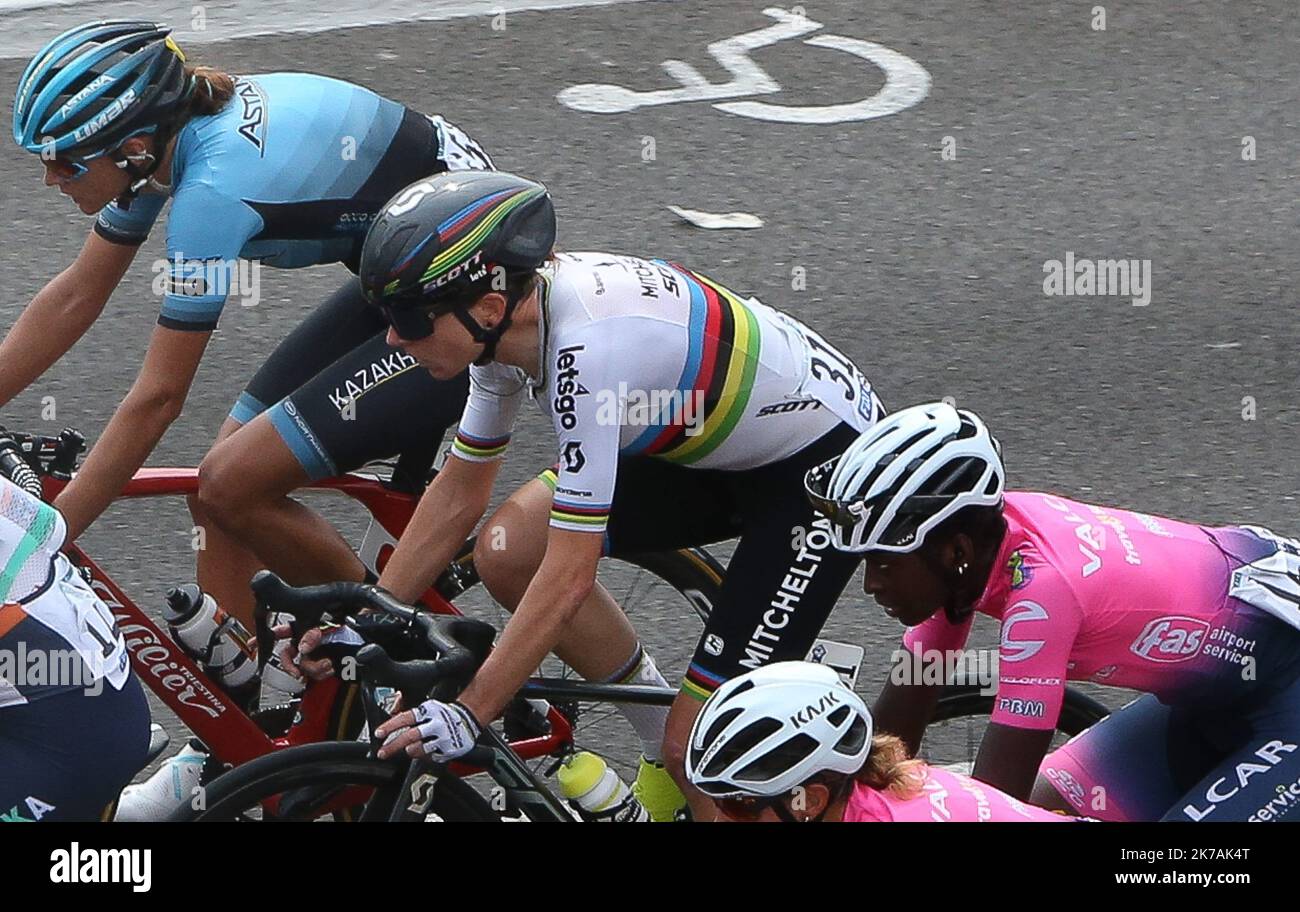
(195, 698)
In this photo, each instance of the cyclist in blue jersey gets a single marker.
(74, 722)
(286, 169)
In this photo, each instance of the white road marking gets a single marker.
(25, 25)
(906, 84)
(747, 77)
(906, 81)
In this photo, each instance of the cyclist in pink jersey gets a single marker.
(1206, 621)
(789, 742)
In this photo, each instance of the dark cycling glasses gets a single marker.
(73, 167)
(838, 512)
(747, 809)
(68, 167)
(410, 323)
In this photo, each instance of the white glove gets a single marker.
(447, 730)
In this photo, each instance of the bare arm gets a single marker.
(60, 313)
(906, 709)
(565, 578)
(1009, 758)
(154, 402)
(447, 514)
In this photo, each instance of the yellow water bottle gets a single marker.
(597, 792)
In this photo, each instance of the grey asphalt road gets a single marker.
(925, 268)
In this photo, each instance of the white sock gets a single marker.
(648, 722)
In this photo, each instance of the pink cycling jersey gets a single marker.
(1095, 593)
(945, 797)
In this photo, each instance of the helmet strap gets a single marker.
(488, 337)
(783, 812)
(836, 792)
(956, 582)
(142, 175)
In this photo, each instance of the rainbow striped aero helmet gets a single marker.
(443, 240)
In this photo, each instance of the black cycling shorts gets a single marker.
(785, 575)
(340, 396)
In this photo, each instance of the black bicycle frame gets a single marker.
(522, 788)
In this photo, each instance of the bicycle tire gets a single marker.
(330, 766)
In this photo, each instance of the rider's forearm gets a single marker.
(905, 710)
(50, 325)
(1009, 758)
(131, 435)
(442, 521)
(550, 603)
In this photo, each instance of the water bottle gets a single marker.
(215, 639)
(597, 792)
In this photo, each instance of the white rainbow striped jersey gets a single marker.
(645, 357)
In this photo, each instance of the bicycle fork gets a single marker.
(519, 785)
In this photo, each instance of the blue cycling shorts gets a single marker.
(66, 756)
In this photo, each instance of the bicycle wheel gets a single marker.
(328, 781)
(962, 715)
(666, 595)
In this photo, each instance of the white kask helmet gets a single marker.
(768, 730)
(905, 475)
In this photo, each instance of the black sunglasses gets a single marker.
(411, 323)
(749, 809)
(838, 512)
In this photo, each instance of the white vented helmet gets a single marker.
(905, 475)
(768, 730)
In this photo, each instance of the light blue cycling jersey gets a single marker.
(290, 172)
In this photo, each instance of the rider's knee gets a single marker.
(508, 552)
(1045, 795)
(220, 495)
(493, 559)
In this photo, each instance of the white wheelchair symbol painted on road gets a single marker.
(906, 81)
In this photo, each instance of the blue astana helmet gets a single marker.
(96, 86)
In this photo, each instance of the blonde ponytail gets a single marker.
(888, 768)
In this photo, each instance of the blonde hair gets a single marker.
(889, 768)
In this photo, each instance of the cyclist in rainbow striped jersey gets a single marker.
(1205, 620)
(685, 414)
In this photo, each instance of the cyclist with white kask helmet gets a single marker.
(1205, 620)
(790, 742)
